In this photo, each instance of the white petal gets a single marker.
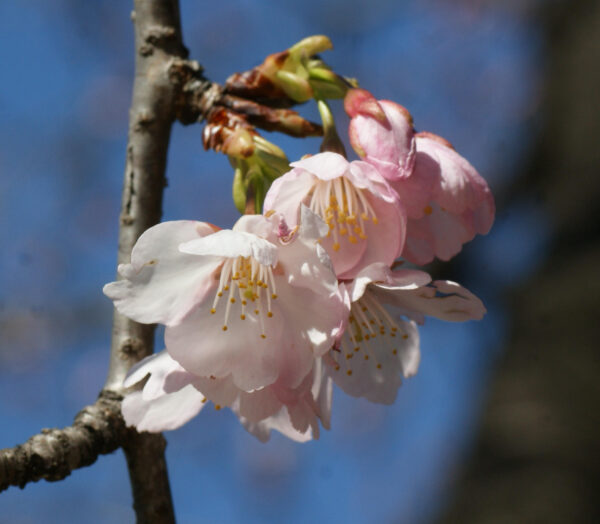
(162, 284)
(442, 299)
(378, 377)
(166, 412)
(230, 244)
(312, 226)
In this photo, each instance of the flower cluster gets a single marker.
(265, 317)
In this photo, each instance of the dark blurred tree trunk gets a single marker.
(536, 457)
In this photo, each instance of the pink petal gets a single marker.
(202, 347)
(389, 144)
(325, 166)
(287, 192)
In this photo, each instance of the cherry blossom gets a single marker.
(365, 218)
(380, 344)
(172, 396)
(446, 200)
(246, 303)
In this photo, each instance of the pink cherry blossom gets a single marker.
(460, 205)
(172, 396)
(365, 218)
(244, 303)
(446, 200)
(381, 132)
(380, 344)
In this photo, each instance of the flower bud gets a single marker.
(256, 162)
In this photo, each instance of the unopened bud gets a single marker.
(311, 45)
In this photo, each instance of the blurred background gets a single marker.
(500, 425)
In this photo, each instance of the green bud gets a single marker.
(239, 190)
(296, 87)
(311, 45)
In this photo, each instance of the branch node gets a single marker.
(132, 349)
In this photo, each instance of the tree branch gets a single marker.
(54, 453)
(99, 428)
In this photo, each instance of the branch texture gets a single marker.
(54, 453)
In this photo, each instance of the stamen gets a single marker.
(244, 278)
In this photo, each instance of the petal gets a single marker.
(288, 192)
(459, 186)
(312, 226)
(385, 239)
(325, 166)
(230, 244)
(162, 284)
(220, 391)
(280, 422)
(258, 225)
(389, 145)
(259, 405)
(166, 412)
(375, 372)
(416, 190)
(442, 299)
(202, 347)
(381, 274)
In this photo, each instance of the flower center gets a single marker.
(368, 320)
(345, 209)
(249, 283)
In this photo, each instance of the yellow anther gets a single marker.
(375, 220)
(217, 407)
(349, 372)
(256, 311)
(343, 231)
(232, 300)
(273, 296)
(366, 357)
(337, 368)
(213, 311)
(352, 239)
(349, 356)
(336, 246)
(226, 288)
(219, 294)
(367, 336)
(405, 336)
(269, 314)
(224, 328)
(394, 351)
(428, 210)
(263, 335)
(244, 302)
(378, 366)
(357, 348)
(243, 317)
